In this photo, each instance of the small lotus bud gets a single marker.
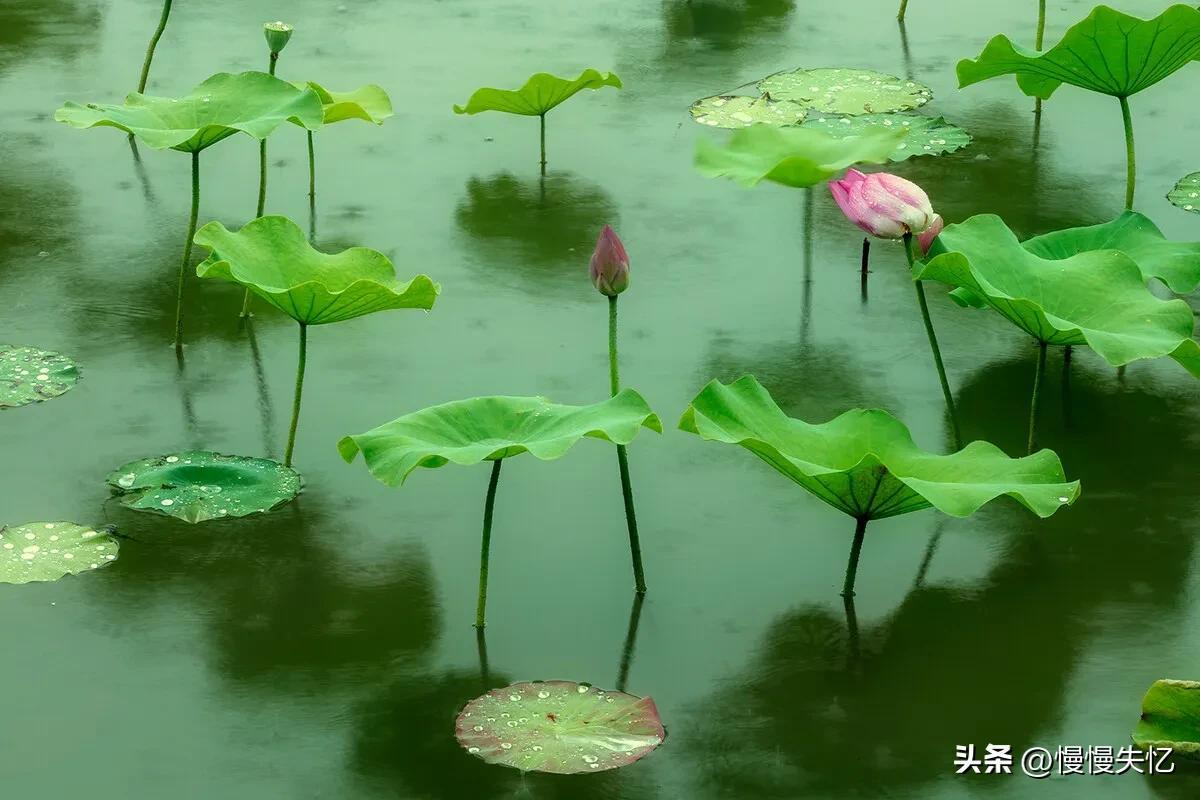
(278, 34)
(883, 205)
(609, 266)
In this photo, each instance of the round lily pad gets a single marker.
(47, 551)
(925, 136)
(1186, 193)
(846, 91)
(560, 727)
(198, 485)
(29, 375)
(739, 111)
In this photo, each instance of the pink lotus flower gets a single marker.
(925, 240)
(610, 264)
(883, 205)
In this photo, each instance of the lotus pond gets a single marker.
(181, 623)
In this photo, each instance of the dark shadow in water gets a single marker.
(39, 213)
(725, 24)
(60, 29)
(627, 650)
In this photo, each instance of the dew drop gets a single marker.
(506, 745)
(541, 695)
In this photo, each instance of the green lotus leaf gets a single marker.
(47, 551)
(559, 727)
(369, 103)
(738, 111)
(489, 428)
(792, 156)
(864, 463)
(846, 91)
(252, 102)
(924, 136)
(540, 93)
(1186, 193)
(272, 258)
(1171, 718)
(1098, 297)
(197, 485)
(1108, 52)
(29, 375)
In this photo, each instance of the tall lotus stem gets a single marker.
(312, 168)
(933, 343)
(860, 532)
(1033, 404)
(262, 183)
(614, 379)
(158, 32)
(903, 10)
(486, 545)
(187, 252)
(291, 442)
(1041, 36)
(1130, 154)
(542, 118)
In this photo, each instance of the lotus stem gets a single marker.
(312, 167)
(542, 118)
(903, 10)
(1033, 404)
(866, 266)
(158, 32)
(860, 532)
(614, 379)
(262, 183)
(485, 673)
(635, 618)
(291, 442)
(1041, 25)
(187, 252)
(933, 343)
(486, 546)
(1130, 154)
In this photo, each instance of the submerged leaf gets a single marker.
(252, 102)
(29, 375)
(792, 156)
(540, 93)
(1171, 718)
(864, 462)
(369, 103)
(1108, 52)
(47, 551)
(489, 428)
(197, 485)
(846, 91)
(559, 727)
(1186, 193)
(923, 136)
(738, 111)
(271, 257)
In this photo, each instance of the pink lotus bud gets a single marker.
(925, 240)
(883, 205)
(610, 264)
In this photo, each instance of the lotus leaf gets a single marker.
(369, 103)
(924, 136)
(846, 91)
(253, 102)
(1186, 193)
(1098, 297)
(47, 551)
(792, 156)
(491, 428)
(559, 727)
(197, 485)
(1171, 718)
(864, 462)
(272, 257)
(540, 93)
(737, 111)
(29, 375)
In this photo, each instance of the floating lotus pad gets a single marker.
(924, 136)
(29, 375)
(559, 727)
(1097, 298)
(864, 463)
(47, 551)
(739, 111)
(1171, 718)
(369, 103)
(846, 91)
(252, 102)
(540, 93)
(198, 485)
(271, 256)
(1186, 193)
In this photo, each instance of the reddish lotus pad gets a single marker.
(560, 727)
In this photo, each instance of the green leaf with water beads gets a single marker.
(1186, 194)
(488, 428)
(47, 551)
(864, 463)
(846, 91)
(923, 136)
(559, 727)
(1108, 52)
(251, 102)
(1097, 298)
(271, 257)
(29, 375)
(739, 111)
(369, 103)
(795, 157)
(1171, 718)
(540, 94)
(198, 485)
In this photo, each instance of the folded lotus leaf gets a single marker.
(251, 102)
(1186, 194)
(1097, 298)
(47, 551)
(795, 157)
(489, 428)
(739, 111)
(272, 258)
(1108, 52)
(923, 136)
(29, 375)
(838, 90)
(540, 93)
(1171, 718)
(864, 462)
(369, 103)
